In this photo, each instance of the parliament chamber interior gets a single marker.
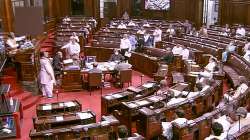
(125, 69)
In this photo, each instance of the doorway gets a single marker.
(77, 7)
(210, 12)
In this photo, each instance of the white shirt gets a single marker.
(241, 32)
(170, 31)
(125, 44)
(146, 25)
(246, 47)
(141, 32)
(240, 90)
(210, 66)
(131, 24)
(177, 50)
(157, 35)
(72, 48)
(185, 54)
(13, 42)
(122, 26)
(246, 56)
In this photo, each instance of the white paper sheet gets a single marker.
(84, 115)
(59, 118)
(69, 104)
(47, 107)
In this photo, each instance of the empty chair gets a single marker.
(95, 80)
(125, 76)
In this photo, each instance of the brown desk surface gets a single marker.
(57, 106)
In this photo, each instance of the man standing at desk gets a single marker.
(47, 78)
(72, 49)
(125, 45)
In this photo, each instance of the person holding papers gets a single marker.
(46, 75)
(72, 49)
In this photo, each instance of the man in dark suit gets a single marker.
(168, 58)
(116, 56)
(148, 40)
(57, 64)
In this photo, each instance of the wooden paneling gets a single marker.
(6, 15)
(234, 12)
(179, 10)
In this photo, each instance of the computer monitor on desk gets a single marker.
(90, 59)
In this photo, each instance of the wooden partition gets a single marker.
(234, 12)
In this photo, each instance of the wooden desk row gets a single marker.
(131, 115)
(111, 102)
(64, 120)
(58, 108)
(106, 129)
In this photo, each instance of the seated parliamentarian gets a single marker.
(121, 26)
(177, 50)
(123, 66)
(224, 32)
(116, 56)
(131, 23)
(230, 48)
(247, 45)
(242, 88)
(146, 24)
(171, 30)
(72, 49)
(66, 19)
(240, 32)
(75, 37)
(95, 69)
(211, 67)
(187, 26)
(247, 55)
(163, 87)
(194, 32)
(185, 53)
(203, 31)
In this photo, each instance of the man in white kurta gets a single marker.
(185, 54)
(72, 49)
(177, 50)
(46, 75)
(125, 45)
(122, 26)
(157, 35)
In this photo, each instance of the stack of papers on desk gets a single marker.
(132, 105)
(117, 95)
(68, 61)
(84, 115)
(69, 104)
(47, 107)
(148, 85)
(143, 102)
(59, 118)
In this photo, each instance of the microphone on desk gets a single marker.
(141, 78)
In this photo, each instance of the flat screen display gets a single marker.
(157, 4)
